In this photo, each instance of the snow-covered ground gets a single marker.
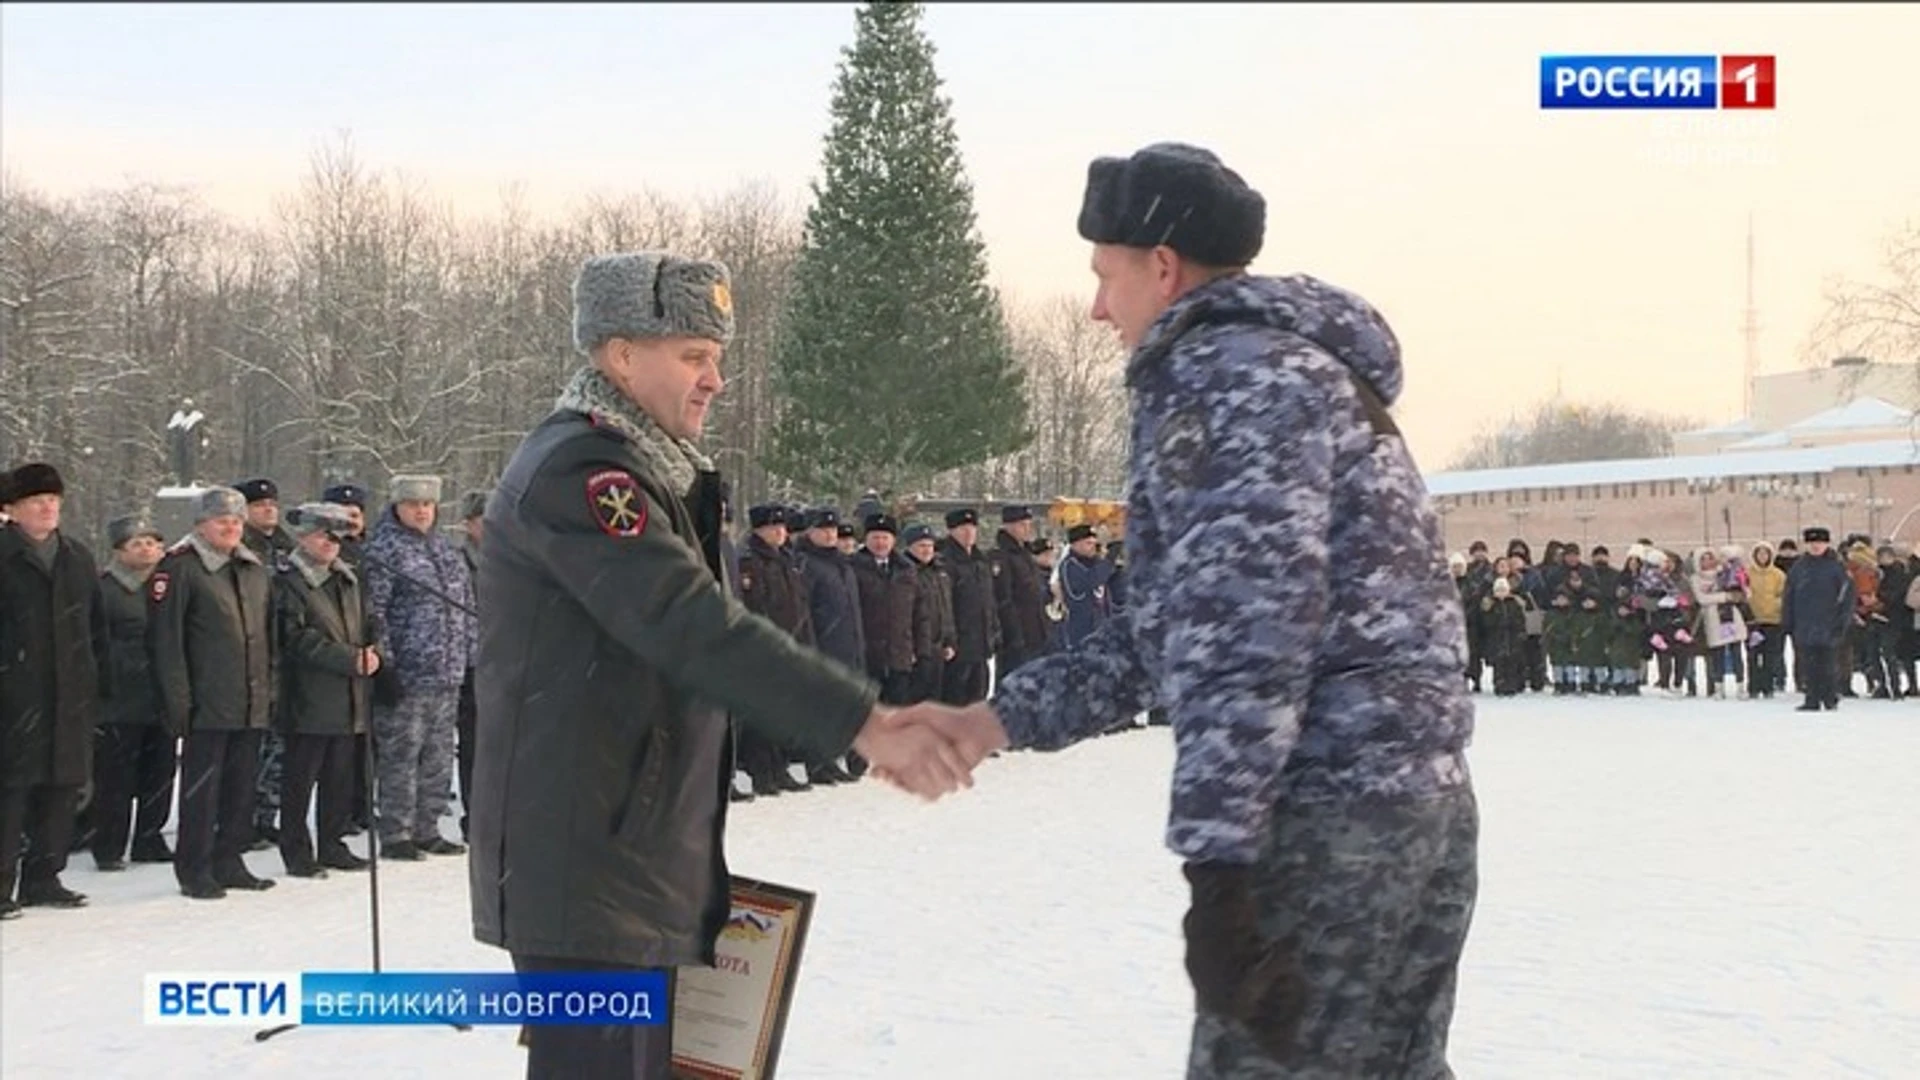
(1669, 889)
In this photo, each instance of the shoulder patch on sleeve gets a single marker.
(619, 506)
(158, 585)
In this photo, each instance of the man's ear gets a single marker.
(1166, 266)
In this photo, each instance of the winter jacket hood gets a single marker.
(1348, 328)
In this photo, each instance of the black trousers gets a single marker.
(132, 764)
(1536, 663)
(42, 816)
(1764, 673)
(594, 1051)
(321, 764)
(965, 682)
(896, 687)
(217, 791)
(1821, 666)
(929, 679)
(759, 756)
(463, 748)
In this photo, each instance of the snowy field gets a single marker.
(1669, 889)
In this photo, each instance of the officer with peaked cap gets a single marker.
(134, 757)
(1019, 592)
(936, 599)
(976, 618)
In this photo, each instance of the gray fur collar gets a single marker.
(315, 574)
(216, 562)
(130, 579)
(676, 461)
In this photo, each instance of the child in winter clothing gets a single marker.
(1503, 635)
(1666, 601)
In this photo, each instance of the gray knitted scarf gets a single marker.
(674, 461)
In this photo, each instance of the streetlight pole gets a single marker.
(1584, 515)
(1765, 490)
(1704, 488)
(1518, 514)
(1840, 500)
(1799, 493)
(1875, 504)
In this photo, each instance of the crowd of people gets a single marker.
(1829, 622)
(245, 667)
(301, 678)
(928, 617)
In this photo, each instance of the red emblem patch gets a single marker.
(619, 506)
(157, 588)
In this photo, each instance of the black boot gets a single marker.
(237, 876)
(152, 849)
(341, 859)
(830, 773)
(50, 893)
(402, 851)
(203, 889)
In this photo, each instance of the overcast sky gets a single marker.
(1402, 151)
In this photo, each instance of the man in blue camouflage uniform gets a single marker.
(1320, 793)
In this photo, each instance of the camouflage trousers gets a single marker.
(1374, 897)
(266, 796)
(413, 756)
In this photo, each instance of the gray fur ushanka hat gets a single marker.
(651, 294)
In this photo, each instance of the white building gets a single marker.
(1852, 400)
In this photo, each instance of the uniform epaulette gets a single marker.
(603, 428)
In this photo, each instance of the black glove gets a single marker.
(1237, 972)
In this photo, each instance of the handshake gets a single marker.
(929, 750)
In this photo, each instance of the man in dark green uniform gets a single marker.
(611, 654)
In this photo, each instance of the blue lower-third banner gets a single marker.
(438, 997)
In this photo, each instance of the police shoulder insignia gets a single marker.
(157, 587)
(619, 506)
(1181, 446)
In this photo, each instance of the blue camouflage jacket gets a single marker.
(1286, 674)
(429, 642)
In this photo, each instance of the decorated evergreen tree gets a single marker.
(894, 361)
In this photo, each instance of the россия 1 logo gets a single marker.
(1656, 82)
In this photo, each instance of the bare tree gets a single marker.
(150, 279)
(1557, 431)
(51, 330)
(1077, 409)
(1880, 319)
(757, 236)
